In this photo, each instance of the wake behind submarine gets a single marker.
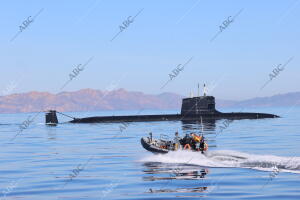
(192, 109)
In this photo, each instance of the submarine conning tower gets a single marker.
(198, 105)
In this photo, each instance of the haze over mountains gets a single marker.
(95, 100)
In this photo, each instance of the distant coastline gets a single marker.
(121, 99)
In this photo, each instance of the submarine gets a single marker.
(192, 109)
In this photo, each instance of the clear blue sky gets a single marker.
(165, 34)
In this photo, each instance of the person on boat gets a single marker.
(186, 142)
(176, 141)
(196, 137)
(203, 145)
(195, 141)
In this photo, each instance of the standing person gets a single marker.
(176, 141)
(203, 145)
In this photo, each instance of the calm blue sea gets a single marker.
(248, 159)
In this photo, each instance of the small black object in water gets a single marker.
(51, 118)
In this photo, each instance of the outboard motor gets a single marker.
(51, 117)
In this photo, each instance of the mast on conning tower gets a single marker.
(204, 90)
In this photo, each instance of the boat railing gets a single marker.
(164, 137)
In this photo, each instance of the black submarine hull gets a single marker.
(172, 117)
(192, 109)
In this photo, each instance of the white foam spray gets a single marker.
(228, 158)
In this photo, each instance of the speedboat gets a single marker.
(164, 145)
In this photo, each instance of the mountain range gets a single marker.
(121, 99)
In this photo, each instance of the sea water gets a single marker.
(247, 159)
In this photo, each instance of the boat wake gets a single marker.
(227, 158)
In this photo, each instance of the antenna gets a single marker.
(201, 124)
(204, 89)
(198, 90)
